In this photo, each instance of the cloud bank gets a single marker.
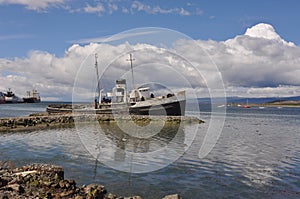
(258, 63)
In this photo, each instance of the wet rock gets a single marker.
(95, 191)
(79, 197)
(6, 165)
(46, 181)
(173, 196)
(3, 182)
(133, 197)
(15, 188)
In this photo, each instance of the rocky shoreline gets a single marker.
(46, 181)
(45, 121)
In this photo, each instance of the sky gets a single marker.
(248, 48)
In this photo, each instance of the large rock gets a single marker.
(173, 196)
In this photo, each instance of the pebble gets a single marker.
(173, 196)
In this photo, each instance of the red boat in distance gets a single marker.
(246, 106)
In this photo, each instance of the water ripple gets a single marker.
(257, 156)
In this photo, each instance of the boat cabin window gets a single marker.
(106, 100)
(119, 95)
(170, 95)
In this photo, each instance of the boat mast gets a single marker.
(97, 73)
(131, 59)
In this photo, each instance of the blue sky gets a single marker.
(35, 30)
(54, 27)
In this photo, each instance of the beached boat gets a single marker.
(171, 105)
(140, 101)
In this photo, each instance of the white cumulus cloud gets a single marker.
(260, 58)
(257, 63)
(99, 8)
(150, 9)
(266, 31)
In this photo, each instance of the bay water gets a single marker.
(256, 156)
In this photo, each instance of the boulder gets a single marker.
(173, 196)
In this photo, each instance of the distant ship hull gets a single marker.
(34, 98)
(31, 100)
(12, 100)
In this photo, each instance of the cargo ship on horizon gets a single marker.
(9, 97)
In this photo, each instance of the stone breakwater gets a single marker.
(45, 120)
(47, 181)
(35, 122)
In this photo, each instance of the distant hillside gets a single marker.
(285, 102)
(240, 100)
(262, 100)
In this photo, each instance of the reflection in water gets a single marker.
(109, 144)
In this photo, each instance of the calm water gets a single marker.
(256, 156)
(14, 110)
